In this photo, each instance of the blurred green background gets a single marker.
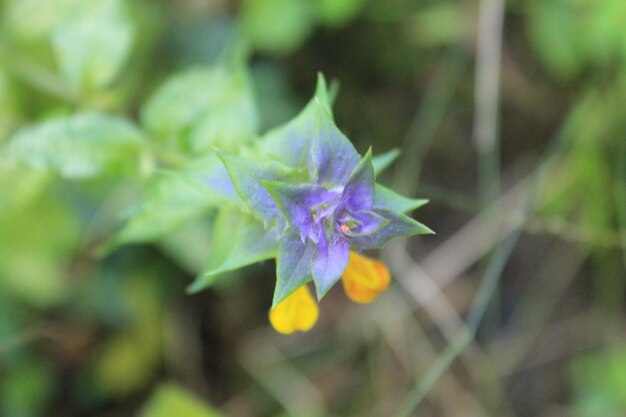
(510, 117)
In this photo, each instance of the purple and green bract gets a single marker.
(308, 198)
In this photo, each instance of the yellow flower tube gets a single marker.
(364, 278)
(299, 311)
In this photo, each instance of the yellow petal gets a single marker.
(364, 278)
(299, 311)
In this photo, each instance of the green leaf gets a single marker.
(170, 400)
(439, 25)
(238, 240)
(397, 225)
(291, 143)
(189, 244)
(92, 44)
(570, 35)
(201, 108)
(163, 212)
(27, 387)
(333, 156)
(293, 266)
(385, 198)
(122, 366)
(278, 26)
(336, 13)
(599, 382)
(20, 185)
(557, 36)
(79, 146)
(9, 104)
(174, 198)
(383, 161)
(130, 359)
(325, 95)
(38, 238)
(247, 175)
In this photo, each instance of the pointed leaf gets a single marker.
(238, 240)
(218, 182)
(358, 193)
(246, 176)
(368, 222)
(399, 225)
(79, 146)
(383, 161)
(291, 143)
(385, 198)
(293, 267)
(333, 158)
(323, 94)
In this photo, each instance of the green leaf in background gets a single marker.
(606, 39)
(239, 240)
(201, 108)
(79, 146)
(170, 400)
(571, 34)
(122, 366)
(8, 105)
(441, 24)
(37, 241)
(20, 186)
(92, 47)
(88, 43)
(130, 359)
(275, 97)
(580, 188)
(599, 382)
(31, 21)
(557, 34)
(278, 26)
(189, 244)
(175, 197)
(26, 388)
(163, 212)
(338, 12)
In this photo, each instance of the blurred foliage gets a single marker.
(59, 145)
(108, 110)
(599, 382)
(171, 400)
(193, 119)
(572, 35)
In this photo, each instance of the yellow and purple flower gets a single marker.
(310, 200)
(364, 279)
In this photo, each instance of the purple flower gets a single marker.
(324, 222)
(309, 192)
